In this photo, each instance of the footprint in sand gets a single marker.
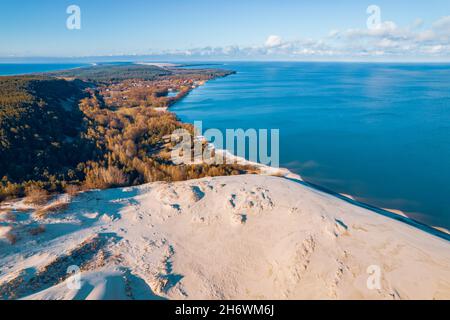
(198, 194)
(239, 219)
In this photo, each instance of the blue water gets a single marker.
(172, 94)
(379, 132)
(7, 69)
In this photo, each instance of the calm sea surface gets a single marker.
(25, 68)
(379, 132)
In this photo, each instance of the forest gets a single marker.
(95, 127)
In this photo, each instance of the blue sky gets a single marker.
(247, 29)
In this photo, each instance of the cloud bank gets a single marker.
(387, 40)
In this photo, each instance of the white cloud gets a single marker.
(387, 43)
(427, 35)
(387, 40)
(273, 41)
(436, 49)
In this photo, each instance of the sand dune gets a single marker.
(243, 237)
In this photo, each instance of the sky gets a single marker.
(232, 29)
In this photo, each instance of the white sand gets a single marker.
(243, 237)
(158, 64)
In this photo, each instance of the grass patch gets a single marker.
(72, 190)
(37, 230)
(52, 208)
(36, 196)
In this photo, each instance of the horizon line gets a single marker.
(148, 58)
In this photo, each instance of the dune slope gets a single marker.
(240, 237)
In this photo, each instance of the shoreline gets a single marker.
(285, 173)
